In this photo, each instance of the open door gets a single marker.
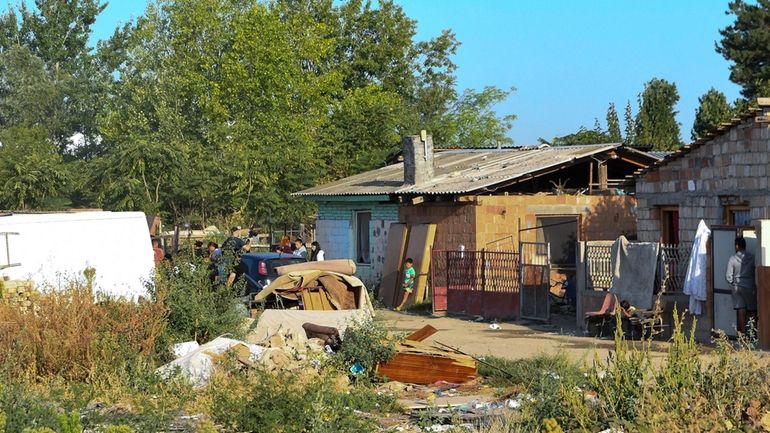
(722, 248)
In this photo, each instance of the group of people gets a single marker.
(299, 249)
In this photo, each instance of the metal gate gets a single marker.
(483, 283)
(535, 280)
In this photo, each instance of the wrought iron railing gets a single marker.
(492, 271)
(671, 272)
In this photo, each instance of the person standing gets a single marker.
(316, 253)
(157, 251)
(740, 276)
(408, 284)
(300, 250)
(234, 243)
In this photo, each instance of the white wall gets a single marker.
(335, 238)
(54, 248)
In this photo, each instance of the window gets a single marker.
(561, 233)
(362, 237)
(737, 215)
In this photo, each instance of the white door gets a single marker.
(723, 247)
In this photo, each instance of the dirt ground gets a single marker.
(513, 340)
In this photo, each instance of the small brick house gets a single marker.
(722, 179)
(482, 199)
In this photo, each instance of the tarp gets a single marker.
(308, 278)
(271, 322)
(54, 248)
(633, 271)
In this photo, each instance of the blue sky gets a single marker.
(567, 58)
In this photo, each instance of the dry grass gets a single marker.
(72, 335)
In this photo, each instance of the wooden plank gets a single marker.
(422, 333)
(325, 304)
(393, 266)
(419, 247)
(425, 369)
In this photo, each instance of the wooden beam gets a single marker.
(422, 333)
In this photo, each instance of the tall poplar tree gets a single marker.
(613, 124)
(656, 124)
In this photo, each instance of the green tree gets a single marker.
(582, 136)
(613, 124)
(630, 125)
(746, 43)
(32, 174)
(712, 110)
(472, 122)
(656, 123)
(56, 33)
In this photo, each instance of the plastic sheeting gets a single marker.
(198, 364)
(54, 248)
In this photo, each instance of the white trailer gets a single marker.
(54, 248)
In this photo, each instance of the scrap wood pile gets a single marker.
(424, 363)
(319, 286)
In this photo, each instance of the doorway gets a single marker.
(722, 248)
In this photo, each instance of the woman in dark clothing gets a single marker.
(317, 254)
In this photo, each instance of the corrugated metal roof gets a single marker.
(461, 171)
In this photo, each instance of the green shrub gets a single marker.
(287, 403)
(366, 342)
(195, 310)
(122, 428)
(70, 423)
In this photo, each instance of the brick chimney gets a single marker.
(418, 158)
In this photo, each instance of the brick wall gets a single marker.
(734, 165)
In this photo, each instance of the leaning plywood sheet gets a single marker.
(290, 321)
(422, 363)
(341, 266)
(393, 266)
(418, 248)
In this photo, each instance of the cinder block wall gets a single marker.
(455, 222)
(735, 164)
(602, 217)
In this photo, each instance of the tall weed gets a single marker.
(71, 334)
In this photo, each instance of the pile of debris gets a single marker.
(318, 286)
(425, 363)
(19, 293)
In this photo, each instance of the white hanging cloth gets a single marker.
(695, 281)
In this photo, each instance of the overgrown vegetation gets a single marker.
(728, 391)
(73, 362)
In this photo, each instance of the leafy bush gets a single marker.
(290, 403)
(195, 310)
(366, 342)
